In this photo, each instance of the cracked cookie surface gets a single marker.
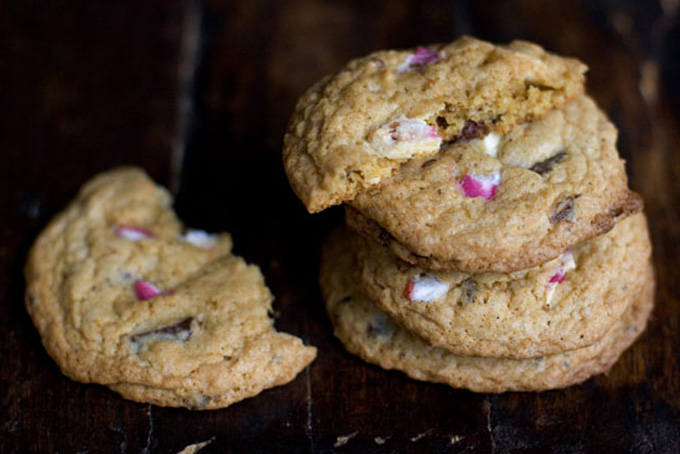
(564, 304)
(368, 332)
(355, 128)
(503, 202)
(122, 295)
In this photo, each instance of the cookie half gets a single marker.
(123, 296)
(369, 333)
(566, 303)
(355, 128)
(507, 205)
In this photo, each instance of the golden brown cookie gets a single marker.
(371, 334)
(355, 128)
(123, 296)
(508, 205)
(566, 303)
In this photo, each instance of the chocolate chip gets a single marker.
(380, 326)
(615, 212)
(345, 299)
(442, 123)
(427, 163)
(384, 237)
(546, 166)
(540, 87)
(564, 210)
(180, 331)
(473, 130)
(469, 288)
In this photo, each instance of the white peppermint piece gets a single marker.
(199, 238)
(491, 142)
(133, 233)
(426, 289)
(549, 292)
(403, 138)
(413, 130)
(567, 260)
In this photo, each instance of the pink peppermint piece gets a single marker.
(145, 290)
(480, 186)
(566, 263)
(133, 233)
(425, 288)
(421, 57)
(558, 277)
(408, 291)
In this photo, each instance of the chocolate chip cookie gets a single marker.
(354, 129)
(504, 202)
(122, 295)
(564, 304)
(369, 333)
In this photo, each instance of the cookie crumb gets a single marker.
(455, 439)
(421, 435)
(194, 448)
(344, 439)
(381, 440)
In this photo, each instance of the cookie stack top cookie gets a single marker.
(352, 130)
(467, 156)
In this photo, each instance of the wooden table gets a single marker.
(198, 93)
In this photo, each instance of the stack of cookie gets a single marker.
(495, 244)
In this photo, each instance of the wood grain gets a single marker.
(85, 88)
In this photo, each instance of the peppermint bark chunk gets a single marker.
(425, 288)
(480, 185)
(566, 263)
(146, 290)
(421, 57)
(133, 233)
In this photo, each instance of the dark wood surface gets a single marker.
(198, 93)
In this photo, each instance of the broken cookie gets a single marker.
(122, 295)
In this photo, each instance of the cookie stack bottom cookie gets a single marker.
(368, 331)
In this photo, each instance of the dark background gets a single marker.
(198, 93)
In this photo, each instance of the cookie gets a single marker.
(371, 334)
(507, 205)
(122, 295)
(357, 127)
(564, 304)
